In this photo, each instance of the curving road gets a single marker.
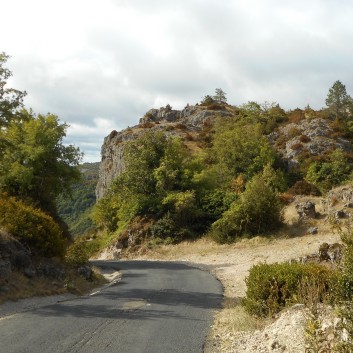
(156, 307)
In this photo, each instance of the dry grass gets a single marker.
(76, 284)
(234, 318)
(21, 287)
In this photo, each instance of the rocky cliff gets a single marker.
(310, 137)
(294, 141)
(186, 123)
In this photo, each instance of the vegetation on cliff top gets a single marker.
(235, 185)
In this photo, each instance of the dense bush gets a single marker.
(31, 227)
(77, 254)
(297, 146)
(329, 173)
(270, 287)
(258, 210)
(240, 148)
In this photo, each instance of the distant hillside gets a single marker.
(75, 210)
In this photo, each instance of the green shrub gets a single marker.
(270, 287)
(258, 210)
(344, 288)
(327, 174)
(77, 254)
(31, 227)
(165, 227)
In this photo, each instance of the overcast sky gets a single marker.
(100, 65)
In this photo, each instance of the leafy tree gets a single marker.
(240, 148)
(207, 100)
(161, 181)
(257, 210)
(338, 100)
(105, 213)
(142, 156)
(11, 100)
(220, 96)
(269, 115)
(35, 165)
(251, 109)
(154, 167)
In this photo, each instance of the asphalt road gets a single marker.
(156, 307)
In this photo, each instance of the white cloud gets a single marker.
(115, 59)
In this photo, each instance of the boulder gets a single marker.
(341, 214)
(4, 289)
(313, 230)
(331, 252)
(13, 256)
(306, 210)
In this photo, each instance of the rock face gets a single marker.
(112, 163)
(313, 136)
(16, 257)
(308, 137)
(287, 334)
(13, 256)
(172, 122)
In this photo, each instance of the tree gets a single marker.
(11, 100)
(207, 100)
(35, 165)
(338, 100)
(257, 210)
(220, 96)
(154, 166)
(161, 181)
(240, 148)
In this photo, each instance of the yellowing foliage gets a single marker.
(31, 227)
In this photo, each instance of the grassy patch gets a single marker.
(234, 318)
(76, 284)
(21, 287)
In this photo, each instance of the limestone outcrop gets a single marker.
(312, 136)
(191, 119)
(293, 141)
